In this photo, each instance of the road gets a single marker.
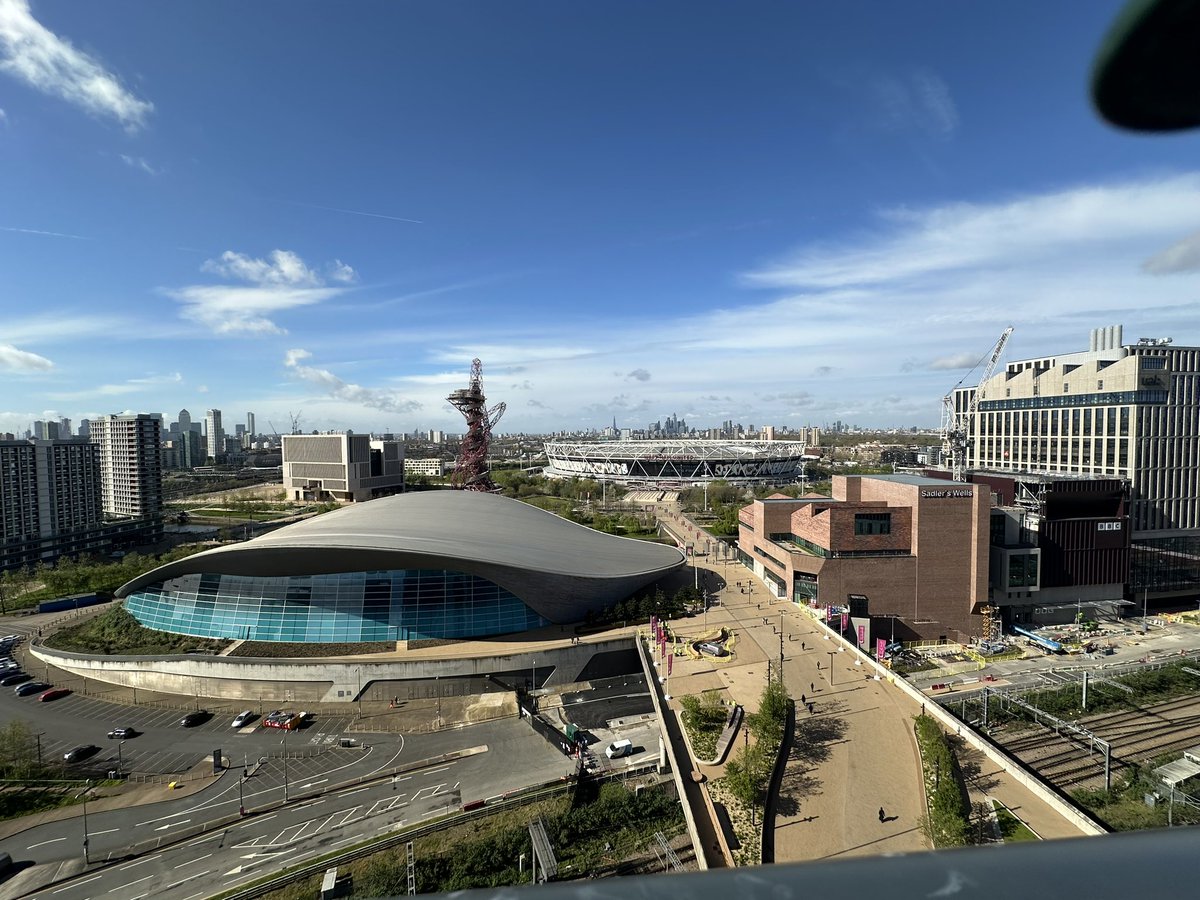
(507, 756)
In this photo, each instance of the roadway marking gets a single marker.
(355, 791)
(196, 860)
(109, 831)
(345, 841)
(131, 884)
(259, 821)
(311, 783)
(138, 863)
(308, 804)
(76, 884)
(171, 825)
(44, 843)
(189, 878)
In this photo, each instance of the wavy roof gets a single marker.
(516, 545)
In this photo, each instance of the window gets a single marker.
(1100, 384)
(1066, 387)
(872, 523)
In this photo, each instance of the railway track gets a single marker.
(1136, 736)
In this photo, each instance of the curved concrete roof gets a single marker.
(556, 566)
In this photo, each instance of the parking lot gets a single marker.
(162, 746)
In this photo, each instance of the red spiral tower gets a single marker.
(471, 471)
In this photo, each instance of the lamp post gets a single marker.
(831, 655)
(285, 772)
(120, 761)
(241, 800)
(87, 787)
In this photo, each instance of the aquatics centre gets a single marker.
(417, 566)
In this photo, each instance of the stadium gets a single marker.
(418, 566)
(677, 462)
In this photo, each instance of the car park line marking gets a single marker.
(196, 860)
(326, 822)
(138, 863)
(44, 843)
(131, 884)
(75, 884)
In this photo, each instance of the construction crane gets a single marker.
(958, 426)
(295, 417)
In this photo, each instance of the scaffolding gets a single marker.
(471, 471)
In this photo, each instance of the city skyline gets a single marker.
(770, 214)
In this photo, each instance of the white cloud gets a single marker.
(638, 375)
(957, 361)
(384, 401)
(129, 386)
(14, 360)
(138, 162)
(280, 282)
(3, 116)
(282, 267)
(35, 55)
(918, 100)
(340, 272)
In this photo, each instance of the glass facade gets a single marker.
(402, 605)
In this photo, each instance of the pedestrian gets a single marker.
(881, 815)
(811, 707)
(812, 687)
(803, 700)
(802, 647)
(818, 665)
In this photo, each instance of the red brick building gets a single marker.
(916, 547)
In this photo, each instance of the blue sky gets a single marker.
(782, 213)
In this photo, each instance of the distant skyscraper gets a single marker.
(250, 424)
(64, 428)
(85, 428)
(46, 431)
(216, 434)
(130, 464)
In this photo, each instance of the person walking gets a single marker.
(881, 814)
(802, 647)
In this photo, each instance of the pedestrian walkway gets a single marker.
(854, 753)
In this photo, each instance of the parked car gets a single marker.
(7, 665)
(14, 678)
(195, 718)
(80, 753)
(242, 719)
(123, 733)
(54, 694)
(33, 687)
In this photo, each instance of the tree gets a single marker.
(18, 753)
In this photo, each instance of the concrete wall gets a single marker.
(327, 681)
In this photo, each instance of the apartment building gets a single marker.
(130, 465)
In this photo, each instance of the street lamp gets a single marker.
(831, 655)
(87, 787)
(120, 762)
(283, 741)
(241, 799)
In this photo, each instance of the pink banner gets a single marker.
(845, 621)
(670, 664)
(880, 648)
(862, 635)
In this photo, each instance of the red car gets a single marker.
(54, 694)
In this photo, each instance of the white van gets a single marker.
(618, 749)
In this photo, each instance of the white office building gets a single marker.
(1128, 411)
(214, 433)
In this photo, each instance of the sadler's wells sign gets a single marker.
(940, 493)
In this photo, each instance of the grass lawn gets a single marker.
(1012, 829)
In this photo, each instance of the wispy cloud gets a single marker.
(138, 162)
(14, 360)
(638, 375)
(356, 212)
(40, 233)
(918, 99)
(1182, 256)
(280, 282)
(35, 55)
(373, 398)
(129, 386)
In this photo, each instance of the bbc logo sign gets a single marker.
(1108, 526)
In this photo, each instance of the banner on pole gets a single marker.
(670, 664)
(880, 648)
(845, 622)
